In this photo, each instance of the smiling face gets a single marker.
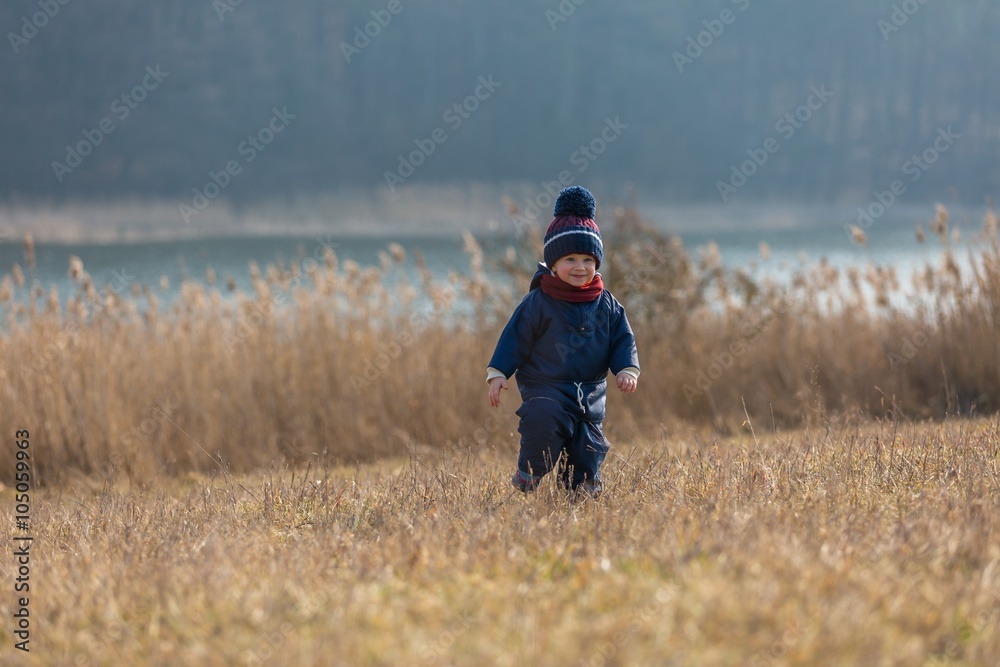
(577, 270)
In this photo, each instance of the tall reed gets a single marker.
(334, 362)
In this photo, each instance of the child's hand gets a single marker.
(496, 384)
(626, 382)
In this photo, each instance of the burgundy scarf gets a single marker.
(558, 289)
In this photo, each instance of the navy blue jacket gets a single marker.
(563, 351)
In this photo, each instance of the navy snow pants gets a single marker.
(549, 429)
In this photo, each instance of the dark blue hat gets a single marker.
(573, 230)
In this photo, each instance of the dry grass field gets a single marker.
(857, 545)
(310, 474)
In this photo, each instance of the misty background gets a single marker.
(690, 87)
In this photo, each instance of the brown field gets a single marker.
(850, 546)
(310, 474)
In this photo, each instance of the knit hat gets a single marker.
(573, 229)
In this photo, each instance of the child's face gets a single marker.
(577, 270)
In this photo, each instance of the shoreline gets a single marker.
(425, 214)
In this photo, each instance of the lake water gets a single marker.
(118, 265)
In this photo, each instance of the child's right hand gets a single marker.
(496, 384)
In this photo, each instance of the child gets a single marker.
(561, 340)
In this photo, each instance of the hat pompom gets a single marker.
(577, 201)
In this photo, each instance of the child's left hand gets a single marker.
(626, 383)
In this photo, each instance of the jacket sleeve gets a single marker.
(623, 350)
(517, 337)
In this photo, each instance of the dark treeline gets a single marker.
(565, 71)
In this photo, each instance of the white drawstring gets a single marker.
(579, 396)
